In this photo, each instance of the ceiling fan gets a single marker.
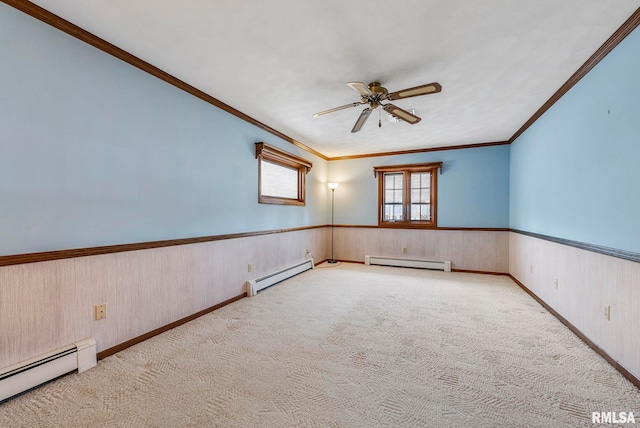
(374, 93)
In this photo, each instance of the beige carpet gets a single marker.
(348, 346)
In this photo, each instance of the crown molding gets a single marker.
(73, 30)
(613, 41)
(430, 149)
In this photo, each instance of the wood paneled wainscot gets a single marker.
(482, 250)
(586, 282)
(50, 304)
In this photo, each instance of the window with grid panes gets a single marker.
(407, 194)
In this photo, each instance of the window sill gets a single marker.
(407, 225)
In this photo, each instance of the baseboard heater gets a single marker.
(261, 283)
(422, 264)
(24, 376)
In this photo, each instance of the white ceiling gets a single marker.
(282, 61)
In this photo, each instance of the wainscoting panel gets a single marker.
(477, 250)
(48, 305)
(31, 321)
(587, 281)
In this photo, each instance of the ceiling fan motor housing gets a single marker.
(378, 89)
(378, 92)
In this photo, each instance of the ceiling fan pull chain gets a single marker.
(379, 119)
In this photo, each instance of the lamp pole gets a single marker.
(333, 187)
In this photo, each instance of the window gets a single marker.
(407, 194)
(281, 176)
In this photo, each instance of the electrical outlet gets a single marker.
(607, 312)
(249, 267)
(404, 249)
(530, 268)
(101, 311)
(555, 283)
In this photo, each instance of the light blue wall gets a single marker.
(575, 174)
(473, 189)
(96, 152)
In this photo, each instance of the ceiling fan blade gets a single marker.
(429, 88)
(337, 109)
(361, 119)
(361, 88)
(402, 114)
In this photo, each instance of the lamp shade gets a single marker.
(333, 186)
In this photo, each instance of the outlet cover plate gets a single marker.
(101, 312)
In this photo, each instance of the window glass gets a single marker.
(421, 196)
(278, 181)
(393, 191)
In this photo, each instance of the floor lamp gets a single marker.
(333, 187)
